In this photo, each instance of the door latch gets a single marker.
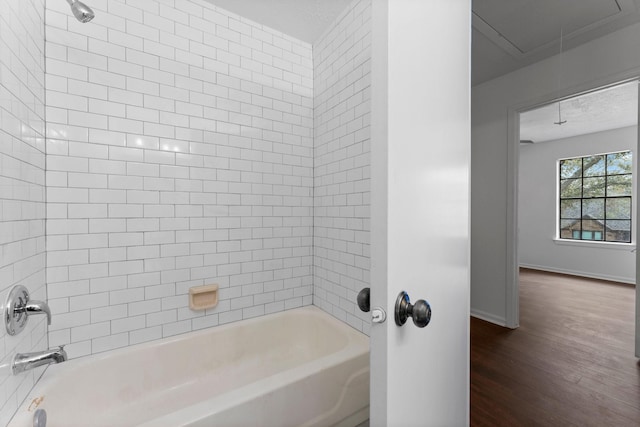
(378, 315)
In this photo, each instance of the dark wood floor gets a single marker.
(571, 362)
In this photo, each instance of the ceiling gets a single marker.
(305, 20)
(598, 111)
(507, 34)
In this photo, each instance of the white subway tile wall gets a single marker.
(342, 79)
(22, 184)
(179, 153)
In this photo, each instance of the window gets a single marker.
(595, 198)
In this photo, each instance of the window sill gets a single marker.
(631, 247)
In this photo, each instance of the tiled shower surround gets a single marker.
(179, 154)
(185, 146)
(342, 107)
(22, 184)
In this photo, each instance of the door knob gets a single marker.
(420, 312)
(363, 299)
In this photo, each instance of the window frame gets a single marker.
(581, 232)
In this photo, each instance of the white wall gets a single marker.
(342, 164)
(537, 214)
(602, 61)
(180, 153)
(22, 180)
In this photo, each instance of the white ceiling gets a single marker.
(507, 35)
(607, 109)
(305, 20)
(511, 34)
(527, 25)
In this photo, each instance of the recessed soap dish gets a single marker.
(203, 297)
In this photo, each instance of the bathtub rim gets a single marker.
(353, 334)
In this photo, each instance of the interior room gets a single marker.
(576, 285)
(604, 121)
(176, 174)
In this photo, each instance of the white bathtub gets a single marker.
(297, 368)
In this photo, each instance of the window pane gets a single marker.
(593, 208)
(570, 229)
(570, 208)
(595, 197)
(590, 226)
(594, 166)
(618, 163)
(570, 188)
(571, 168)
(619, 185)
(619, 208)
(593, 187)
(618, 231)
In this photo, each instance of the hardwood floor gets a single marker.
(571, 362)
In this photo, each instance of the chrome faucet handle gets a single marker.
(19, 307)
(38, 307)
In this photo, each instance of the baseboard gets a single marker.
(491, 318)
(580, 273)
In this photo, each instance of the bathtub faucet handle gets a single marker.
(38, 307)
(19, 307)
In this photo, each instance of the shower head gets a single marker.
(81, 11)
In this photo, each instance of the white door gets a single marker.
(420, 209)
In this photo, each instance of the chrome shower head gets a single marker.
(81, 11)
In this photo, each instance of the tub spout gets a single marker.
(26, 361)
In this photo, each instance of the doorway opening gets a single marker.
(606, 119)
(576, 185)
